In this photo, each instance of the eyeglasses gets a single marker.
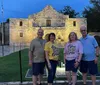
(83, 30)
(40, 32)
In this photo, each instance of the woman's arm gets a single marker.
(79, 58)
(80, 49)
(80, 52)
(47, 59)
(64, 57)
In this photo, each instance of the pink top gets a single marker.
(72, 50)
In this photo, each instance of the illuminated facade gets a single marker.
(24, 30)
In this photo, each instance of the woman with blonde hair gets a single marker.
(72, 56)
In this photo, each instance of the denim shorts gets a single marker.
(38, 68)
(88, 66)
(69, 66)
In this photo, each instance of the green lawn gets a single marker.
(9, 66)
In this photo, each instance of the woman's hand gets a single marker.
(76, 64)
(49, 66)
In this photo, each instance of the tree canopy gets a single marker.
(67, 10)
(92, 13)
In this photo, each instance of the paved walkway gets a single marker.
(6, 50)
(79, 82)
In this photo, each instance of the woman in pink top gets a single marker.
(72, 56)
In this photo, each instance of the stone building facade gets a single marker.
(22, 31)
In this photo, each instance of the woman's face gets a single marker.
(72, 37)
(52, 38)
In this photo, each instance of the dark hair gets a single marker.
(70, 35)
(50, 35)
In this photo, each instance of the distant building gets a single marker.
(24, 30)
(6, 33)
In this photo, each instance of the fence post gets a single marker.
(20, 62)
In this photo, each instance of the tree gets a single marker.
(96, 4)
(67, 10)
(93, 15)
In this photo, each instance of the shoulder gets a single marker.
(91, 37)
(79, 43)
(34, 40)
(48, 43)
(66, 44)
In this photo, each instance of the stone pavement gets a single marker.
(79, 82)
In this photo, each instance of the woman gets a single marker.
(72, 56)
(52, 53)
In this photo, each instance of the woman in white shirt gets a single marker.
(72, 56)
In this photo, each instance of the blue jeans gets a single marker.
(52, 71)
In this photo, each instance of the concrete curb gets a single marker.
(79, 82)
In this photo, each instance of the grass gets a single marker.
(10, 70)
(9, 66)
